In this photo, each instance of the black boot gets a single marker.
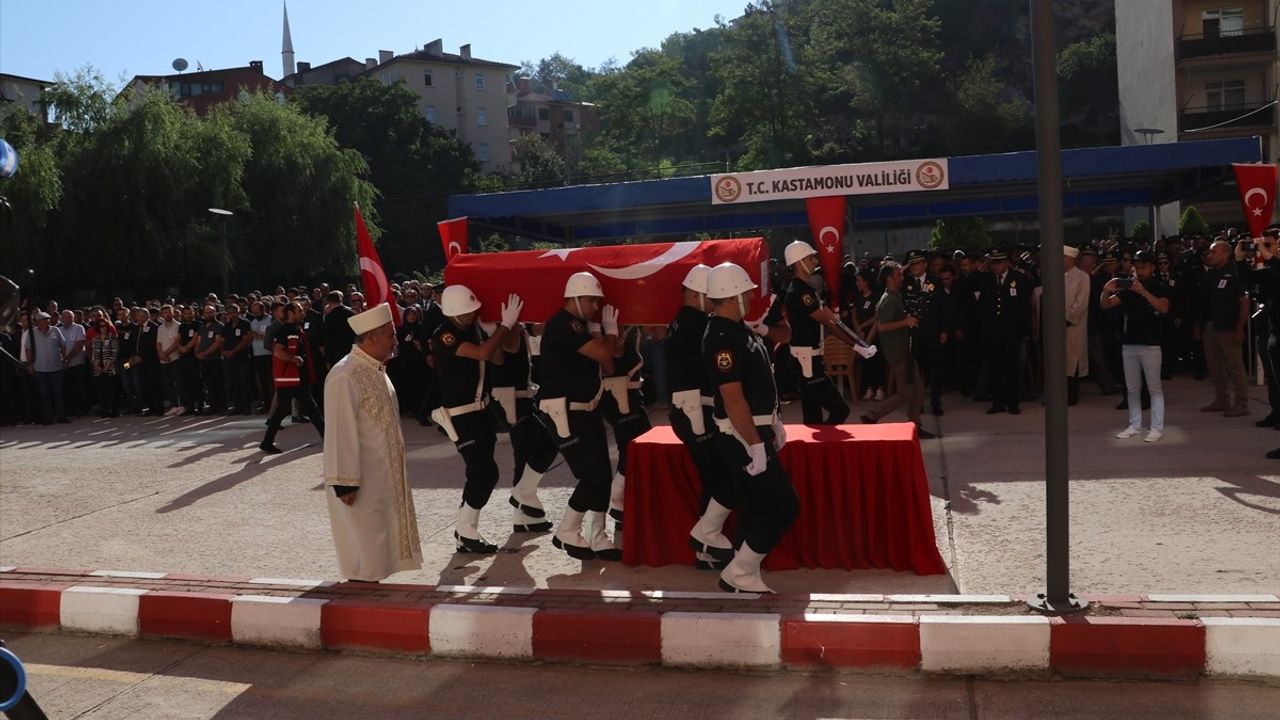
(268, 445)
(1073, 391)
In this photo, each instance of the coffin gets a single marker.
(642, 281)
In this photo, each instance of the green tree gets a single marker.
(987, 116)
(1191, 223)
(1089, 91)
(540, 164)
(1141, 230)
(960, 234)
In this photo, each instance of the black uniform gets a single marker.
(633, 423)
(921, 298)
(817, 392)
(188, 373)
(685, 371)
(291, 384)
(1006, 323)
(238, 369)
(568, 374)
(530, 443)
(464, 383)
(767, 503)
(338, 335)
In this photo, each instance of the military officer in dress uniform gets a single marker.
(750, 428)
(922, 299)
(533, 450)
(808, 317)
(692, 401)
(572, 357)
(622, 406)
(461, 354)
(1006, 323)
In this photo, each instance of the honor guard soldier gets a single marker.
(461, 354)
(572, 358)
(533, 449)
(622, 406)
(808, 318)
(692, 401)
(293, 369)
(750, 428)
(921, 298)
(1006, 323)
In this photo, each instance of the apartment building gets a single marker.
(203, 89)
(23, 91)
(461, 93)
(556, 115)
(1198, 70)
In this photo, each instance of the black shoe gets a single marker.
(995, 410)
(1268, 421)
(529, 510)
(574, 551)
(64, 421)
(1124, 405)
(717, 553)
(1274, 454)
(925, 434)
(725, 586)
(536, 527)
(1015, 411)
(708, 565)
(470, 546)
(270, 449)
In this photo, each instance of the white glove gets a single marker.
(511, 310)
(758, 460)
(779, 434)
(866, 351)
(609, 319)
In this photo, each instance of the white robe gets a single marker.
(363, 446)
(1077, 287)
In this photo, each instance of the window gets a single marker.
(430, 113)
(544, 114)
(482, 152)
(479, 81)
(1224, 95)
(568, 116)
(1223, 22)
(482, 117)
(386, 77)
(426, 77)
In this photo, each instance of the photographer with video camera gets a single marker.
(1145, 299)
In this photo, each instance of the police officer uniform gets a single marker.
(1006, 323)
(622, 406)
(922, 298)
(292, 381)
(568, 398)
(817, 392)
(533, 450)
(767, 502)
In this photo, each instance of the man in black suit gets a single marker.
(921, 297)
(338, 336)
(1005, 296)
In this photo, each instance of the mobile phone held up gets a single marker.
(1123, 283)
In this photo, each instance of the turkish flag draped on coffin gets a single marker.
(373, 281)
(826, 222)
(453, 237)
(1257, 184)
(642, 281)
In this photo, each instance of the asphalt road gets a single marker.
(101, 678)
(1198, 512)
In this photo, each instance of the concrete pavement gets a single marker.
(104, 678)
(1198, 512)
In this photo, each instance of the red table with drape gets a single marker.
(864, 500)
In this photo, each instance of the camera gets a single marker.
(1124, 283)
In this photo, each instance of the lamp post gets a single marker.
(1147, 132)
(226, 255)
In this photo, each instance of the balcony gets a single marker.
(1246, 40)
(517, 119)
(1250, 114)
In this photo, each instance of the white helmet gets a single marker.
(696, 279)
(458, 300)
(583, 284)
(727, 280)
(798, 251)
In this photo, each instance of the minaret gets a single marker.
(286, 49)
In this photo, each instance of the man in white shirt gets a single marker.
(167, 342)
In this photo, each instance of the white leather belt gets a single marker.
(468, 408)
(725, 425)
(588, 406)
(708, 401)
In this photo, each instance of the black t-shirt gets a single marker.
(1223, 292)
(186, 332)
(864, 307)
(628, 364)
(567, 373)
(514, 370)
(802, 300)
(683, 348)
(460, 378)
(731, 353)
(1142, 324)
(233, 333)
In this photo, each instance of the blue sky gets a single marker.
(142, 37)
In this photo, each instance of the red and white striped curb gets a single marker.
(975, 644)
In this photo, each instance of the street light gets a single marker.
(1148, 132)
(226, 258)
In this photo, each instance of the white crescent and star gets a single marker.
(1260, 191)
(822, 234)
(455, 248)
(645, 268)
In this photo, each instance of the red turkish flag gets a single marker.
(453, 237)
(1257, 194)
(826, 222)
(373, 281)
(642, 281)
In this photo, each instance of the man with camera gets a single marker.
(1145, 300)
